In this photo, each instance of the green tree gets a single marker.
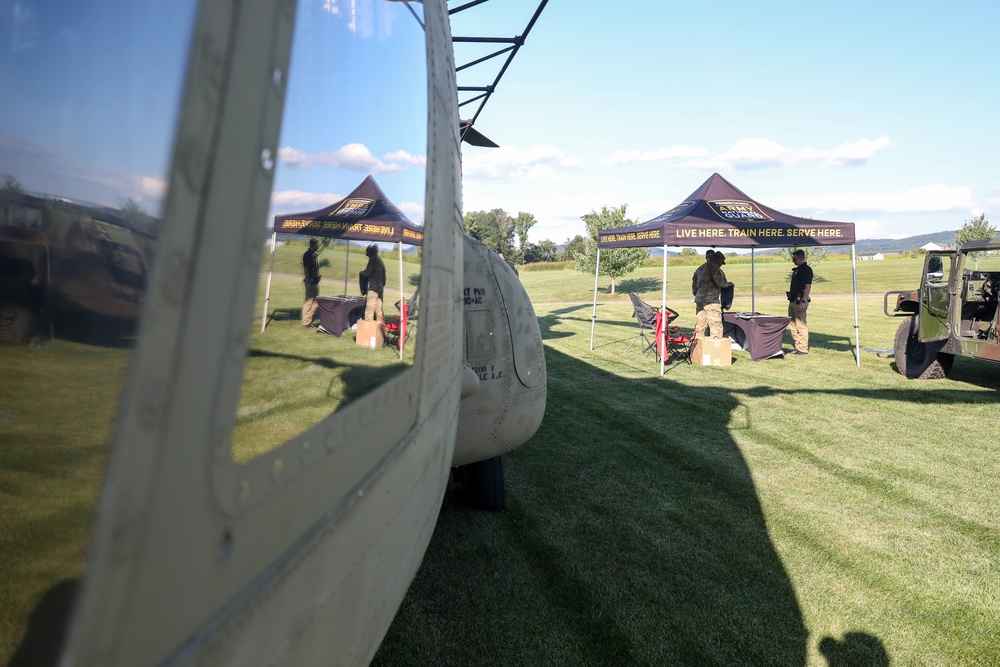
(976, 228)
(141, 221)
(615, 262)
(522, 224)
(543, 251)
(573, 246)
(549, 250)
(688, 252)
(11, 186)
(814, 254)
(494, 228)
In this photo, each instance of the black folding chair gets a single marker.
(645, 315)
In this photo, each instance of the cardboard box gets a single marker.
(712, 352)
(369, 334)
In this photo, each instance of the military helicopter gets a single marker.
(206, 112)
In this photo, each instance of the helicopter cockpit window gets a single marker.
(350, 177)
(90, 96)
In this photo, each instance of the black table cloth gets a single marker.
(337, 313)
(760, 335)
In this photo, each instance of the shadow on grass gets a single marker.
(825, 341)
(627, 285)
(857, 649)
(357, 379)
(88, 328)
(633, 537)
(47, 626)
(285, 314)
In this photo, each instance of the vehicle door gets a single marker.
(936, 289)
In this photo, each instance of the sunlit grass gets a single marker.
(715, 515)
(769, 279)
(740, 516)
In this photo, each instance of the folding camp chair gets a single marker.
(678, 342)
(645, 315)
(394, 324)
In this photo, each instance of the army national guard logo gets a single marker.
(354, 208)
(739, 211)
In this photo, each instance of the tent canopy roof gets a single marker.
(364, 215)
(720, 214)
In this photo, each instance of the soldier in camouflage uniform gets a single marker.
(709, 281)
(709, 254)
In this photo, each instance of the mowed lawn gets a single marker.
(795, 511)
(782, 512)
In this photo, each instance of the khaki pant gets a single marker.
(800, 332)
(310, 306)
(373, 307)
(709, 316)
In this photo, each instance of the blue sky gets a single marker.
(877, 113)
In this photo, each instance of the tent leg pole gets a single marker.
(593, 315)
(402, 300)
(857, 328)
(753, 281)
(660, 343)
(347, 264)
(267, 290)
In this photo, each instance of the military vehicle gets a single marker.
(77, 263)
(206, 113)
(954, 313)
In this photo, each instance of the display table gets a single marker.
(337, 313)
(760, 335)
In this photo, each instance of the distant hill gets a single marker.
(902, 245)
(864, 246)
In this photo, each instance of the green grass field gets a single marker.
(795, 511)
(786, 512)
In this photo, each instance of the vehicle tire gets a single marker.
(485, 487)
(916, 360)
(17, 323)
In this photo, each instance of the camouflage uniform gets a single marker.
(707, 283)
(310, 278)
(375, 274)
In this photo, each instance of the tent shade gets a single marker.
(364, 215)
(719, 214)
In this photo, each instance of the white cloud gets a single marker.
(406, 158)
(924, 199)
(152, 187)
(413, 211)
(297, 200)
(663, 154)
(538, 163)
(858, 152)
(352, 156)
(754, 153)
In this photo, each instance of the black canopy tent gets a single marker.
(719, 214)
(364, 215)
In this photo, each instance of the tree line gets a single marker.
(497, 229)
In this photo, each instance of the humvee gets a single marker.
(80, 265)
(954, 313)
